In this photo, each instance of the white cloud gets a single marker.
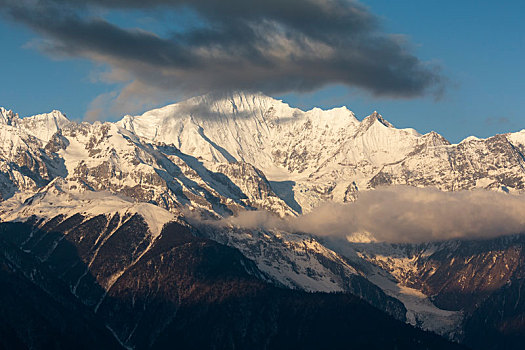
(406, 214)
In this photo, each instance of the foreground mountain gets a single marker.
(87, 203)
(168, 290)
(38, 311)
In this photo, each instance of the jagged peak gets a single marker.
(335, 111)
(43, 126)
(375, 118)
(471, 138)
(235, 99)
(232, 104)
(212, 105)
(7, 116)
(501, 137)
(4, 110)
(232, 97)
(380, 119)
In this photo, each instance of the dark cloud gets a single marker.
(272, 46)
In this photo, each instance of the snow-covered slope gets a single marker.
(68, 198)
(448, 286)
(388, 266)
(44, 126)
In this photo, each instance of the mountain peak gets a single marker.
(54, 115)
(7, 116)
(44, 126)
(375, 117)
(435, 139)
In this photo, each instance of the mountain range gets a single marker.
(115, 225)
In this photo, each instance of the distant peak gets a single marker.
(7, 116)
(42, 126)
(376, 117)
(435, 139)
(53, 115)
(470, 139)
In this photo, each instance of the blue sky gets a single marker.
(481, 48)
(479, 45)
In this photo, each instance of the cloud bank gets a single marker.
(405, 215)
(272, 46)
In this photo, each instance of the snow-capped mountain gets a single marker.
(210, 158)
(329, 155)
(103, 156)
(249, 150)
(26, 164)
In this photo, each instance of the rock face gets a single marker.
(104, 157)
(25, 164)
(91, 200)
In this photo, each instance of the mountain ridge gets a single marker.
(326, 153)
(319, 155)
